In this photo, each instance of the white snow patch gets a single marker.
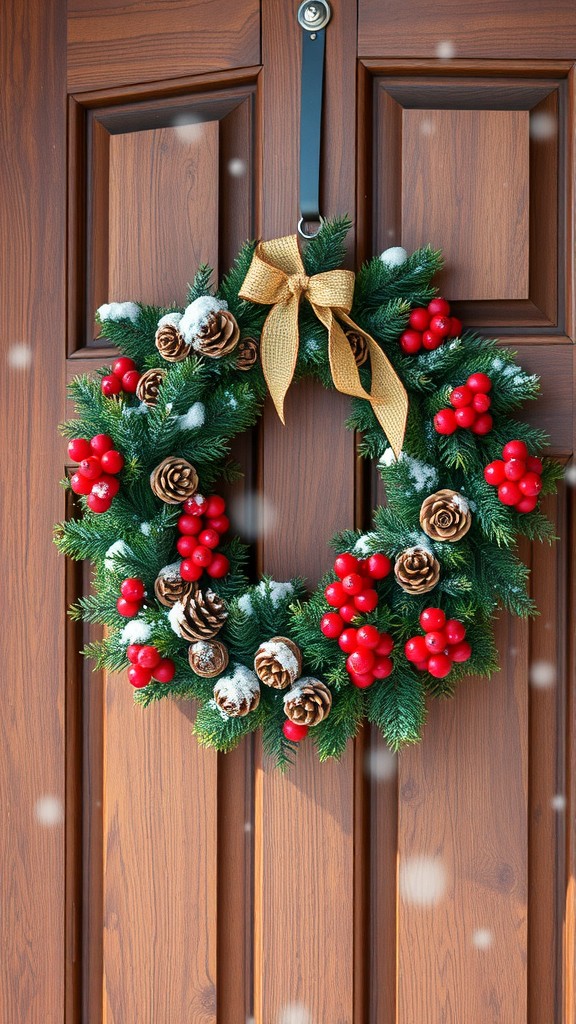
(138, 410)
(119, 547)
(196, 315)
(176, 616)
(136, 632)
(231, 401)
(192, 419)
(395, 256)
(461, 503)
(204, 652)
(119, 311)
(170, 572)
(423, 476)
(282, 654)
(216, 707)
(240, 685)
(364, 544)
(245, 604)
(389, 458)
(146, 529)
(170, 319)
(497, 363)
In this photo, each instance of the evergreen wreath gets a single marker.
(409, 608)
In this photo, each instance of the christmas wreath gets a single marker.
(408, 609)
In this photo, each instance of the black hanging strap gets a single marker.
(316, 12)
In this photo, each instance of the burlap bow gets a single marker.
(277, 277)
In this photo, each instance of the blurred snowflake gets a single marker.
(188, 128)
(482, 938)
(558, 802)
(445, 49)
(253, 515)
(294, 1013)
(49, 810)
(542, 125)
(422, 880)
(381, 763)
(19, 356)
(570, 475)
(236, 167)
(542, 674)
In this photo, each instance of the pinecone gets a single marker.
(171, 344)
(239, 693)
(417, 570)
(445, 516)
(308, 703)
(218, 336)
(174, 480)
(147, 390)
(247, 354)
(359, 346)
(169, 587)
(200, 615)
(278, 662)
(208, 658)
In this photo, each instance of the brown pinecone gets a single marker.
(201, 615)
(417, 570)
(174, 480)
(247, 354)
(171, 344)
(147, 390)
(239, 693)
(445, 516)
(309, 702)
(169, 587)
(278, 662)
(359, 346)
(218, 336)
(208, 658)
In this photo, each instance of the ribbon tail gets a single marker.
(279, 350)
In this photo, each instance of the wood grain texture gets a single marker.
(35, 936)
(465, 190)
(496, 28)
(115, 42)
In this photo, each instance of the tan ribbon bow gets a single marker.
(276, 277)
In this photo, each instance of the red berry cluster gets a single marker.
(430, 327)
(442, 645)
(132, 594)
(147, 663)
(201, 526)
(470, 403)
(517, 475)
(124, 377)
(353, 594)
(96, 475)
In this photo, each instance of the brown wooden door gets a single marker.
(142, 879)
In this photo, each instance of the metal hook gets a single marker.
(303, 233)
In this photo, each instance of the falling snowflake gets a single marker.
(422, 880)
(236, 167)
(542, 674)
(294, 1013)
(49, 810)
(570, 475)
(381, 763)
(445, 49)
(253, 515)
(482, 938)
(558, 802)
(542, 125)
(188, 128)
(19, 357)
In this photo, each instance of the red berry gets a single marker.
(527, 504)
(461, 396)
(431, 340)
(465, 417)
(461, 652)
(132, 652)
(101, 443)
(111, 386)
(362, 679)
(368, 636)
(215, 506)
(202, 556)
(335, 594)
(189, 525)
(96, 503)
(112, 461)
(411, 342)
(127, 608)
(455, 631)
(419, 319)
(439, 665)
(190, 571)
(367, 601)
(439, 307)
(361, 660)
(344, 564)
(209, 538)
(415, 649)
(483, 424)
(348, 612)
(347, 640)
(130, 381)
(132, 589)
(196, 505)
(440, 324)
(352, 584)
(435, 641)
(79, 449)
(455, 327)
(293, 731)
(494, 472)
(186, 545)
(219, 566)
(445, 422)
(432, 619)
(219, 523)
(385, 646)
(79, 484)
(149, 657)
(514, 469)
(531, 484)
(106, 486)
(90, 468)
(479, 382)
(509, 493)
(383, 668)
(534, 464)
(378, 566)
(331, 625)
(139, 676)
(481, 402)
(122, 365)
(515, 450)
(164, 671)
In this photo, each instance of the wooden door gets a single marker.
(145, 880)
